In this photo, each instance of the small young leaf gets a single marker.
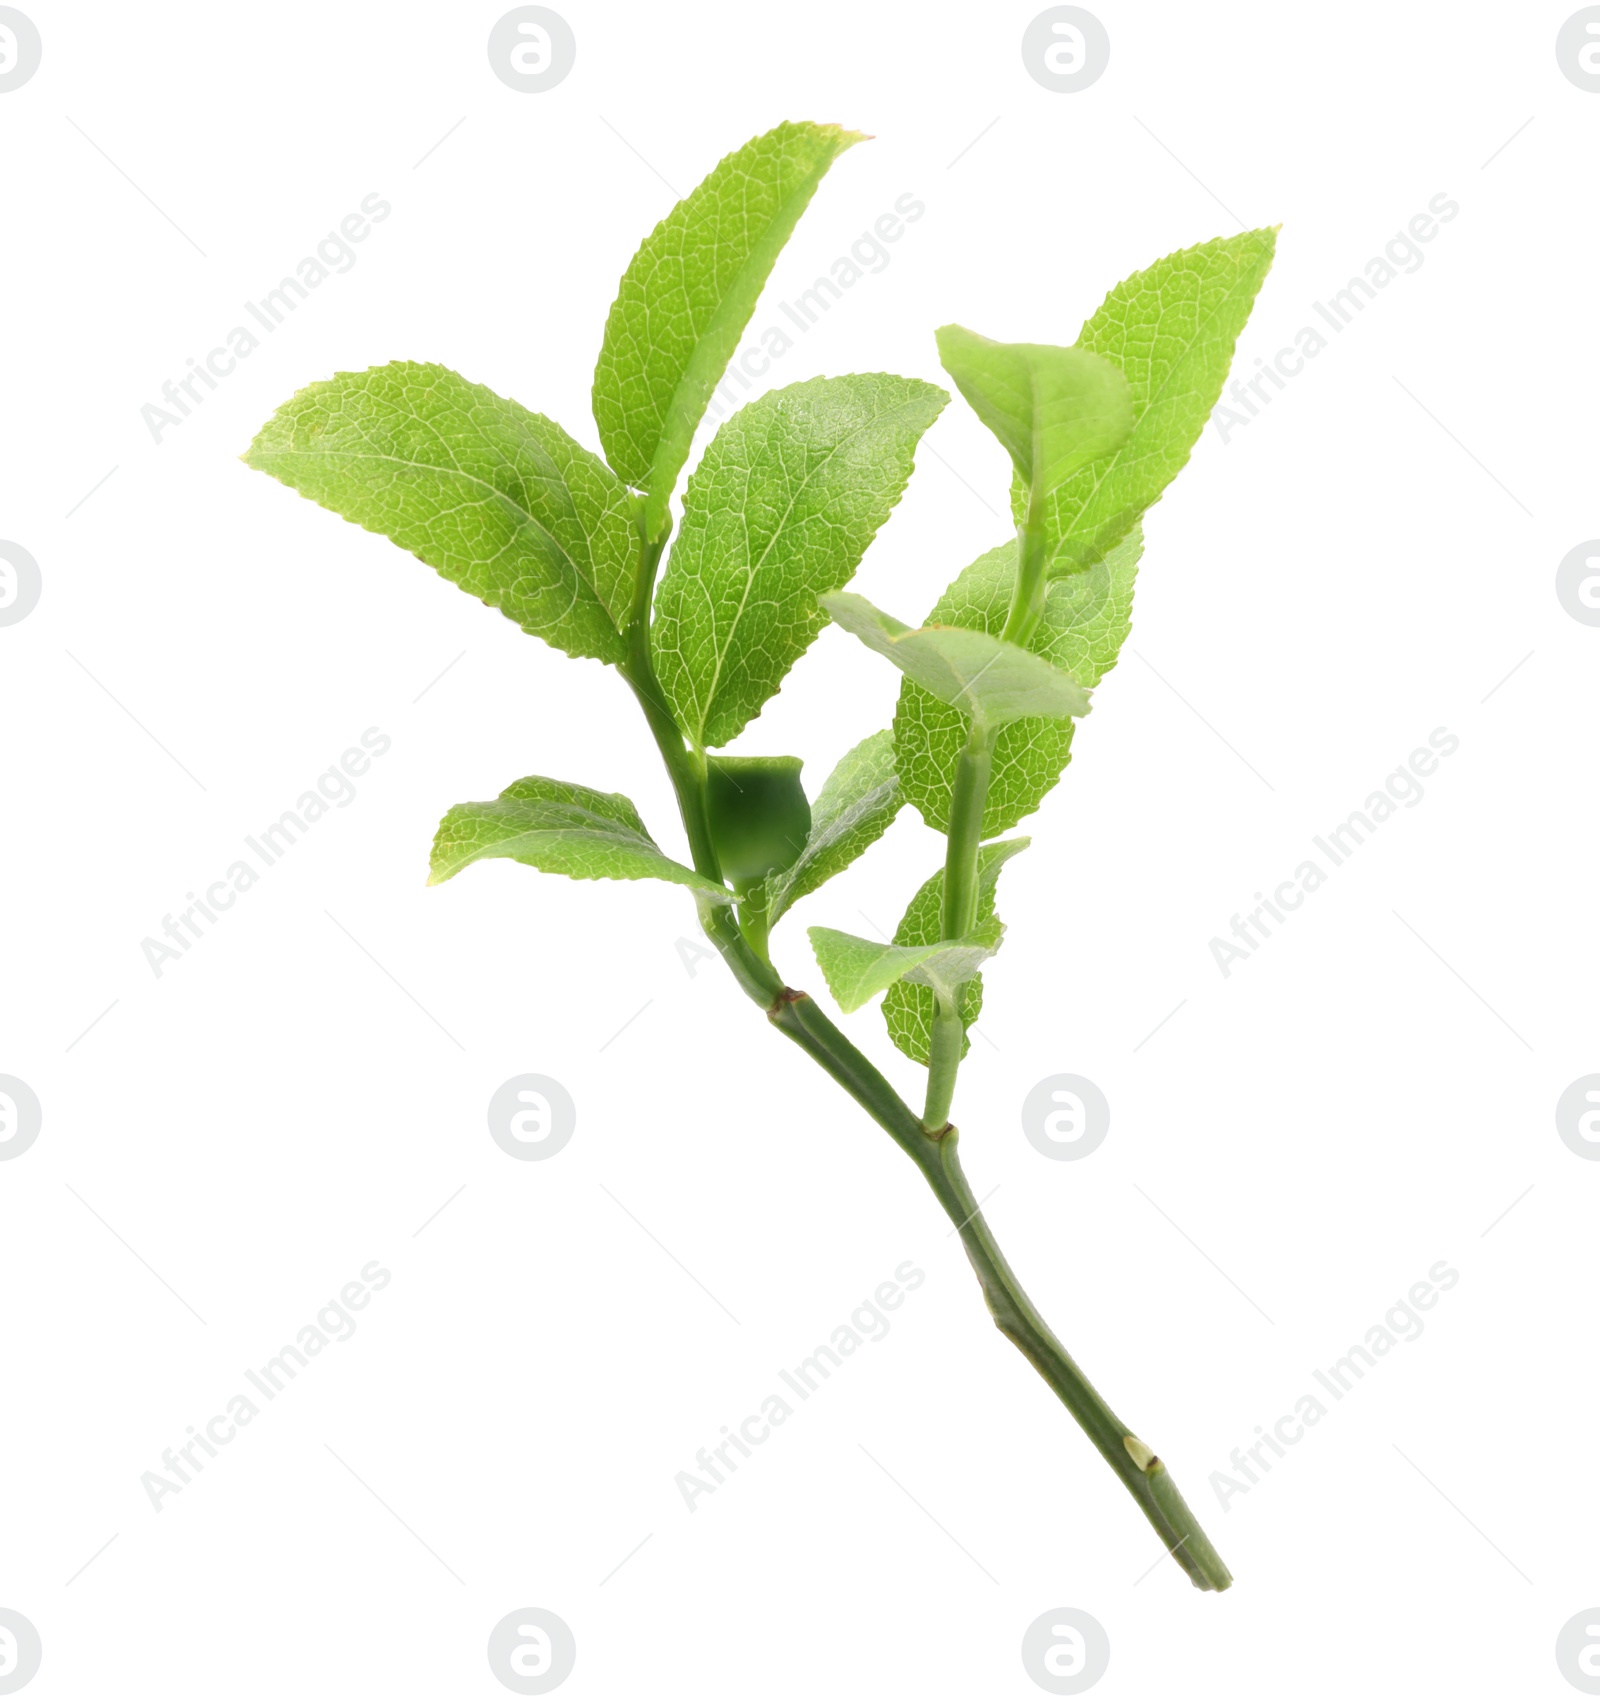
(564, 829)
(857, 969)
(687, 296)
(908, 1006)
(759, 817)
(986, 678)
(1054, 410)
(857, 803)
(951, 968)
(497, 499)
(785, 502)
(1086, 618)
(1170, 330)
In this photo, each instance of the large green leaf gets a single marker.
(564, 829)
(856, 969)
(908, 1006)
(1170, 330)
(785, 502)
(988, 679)
(496, 499)
(1054, 410)
(687, 296)
(1086, 617)
(858, 802)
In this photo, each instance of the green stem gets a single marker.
(959, 915)
(1019, 1321)
(1028, 594)
(969, 798)
(799, 1017)
(685, 769)
(754, 923)
(946, 1042)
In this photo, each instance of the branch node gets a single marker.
(1144, 1457)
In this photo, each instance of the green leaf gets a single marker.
(857, 969)
(758, 814)
(986, 678)
(496, 499)
(785, 502)
(908, 1006)
(1171, 331)
(687, 296)
(564, 829)
(857, 803)
(1086, 618)
(1054, 410)
(948, 972)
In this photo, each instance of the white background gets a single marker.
(1357, 1101)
